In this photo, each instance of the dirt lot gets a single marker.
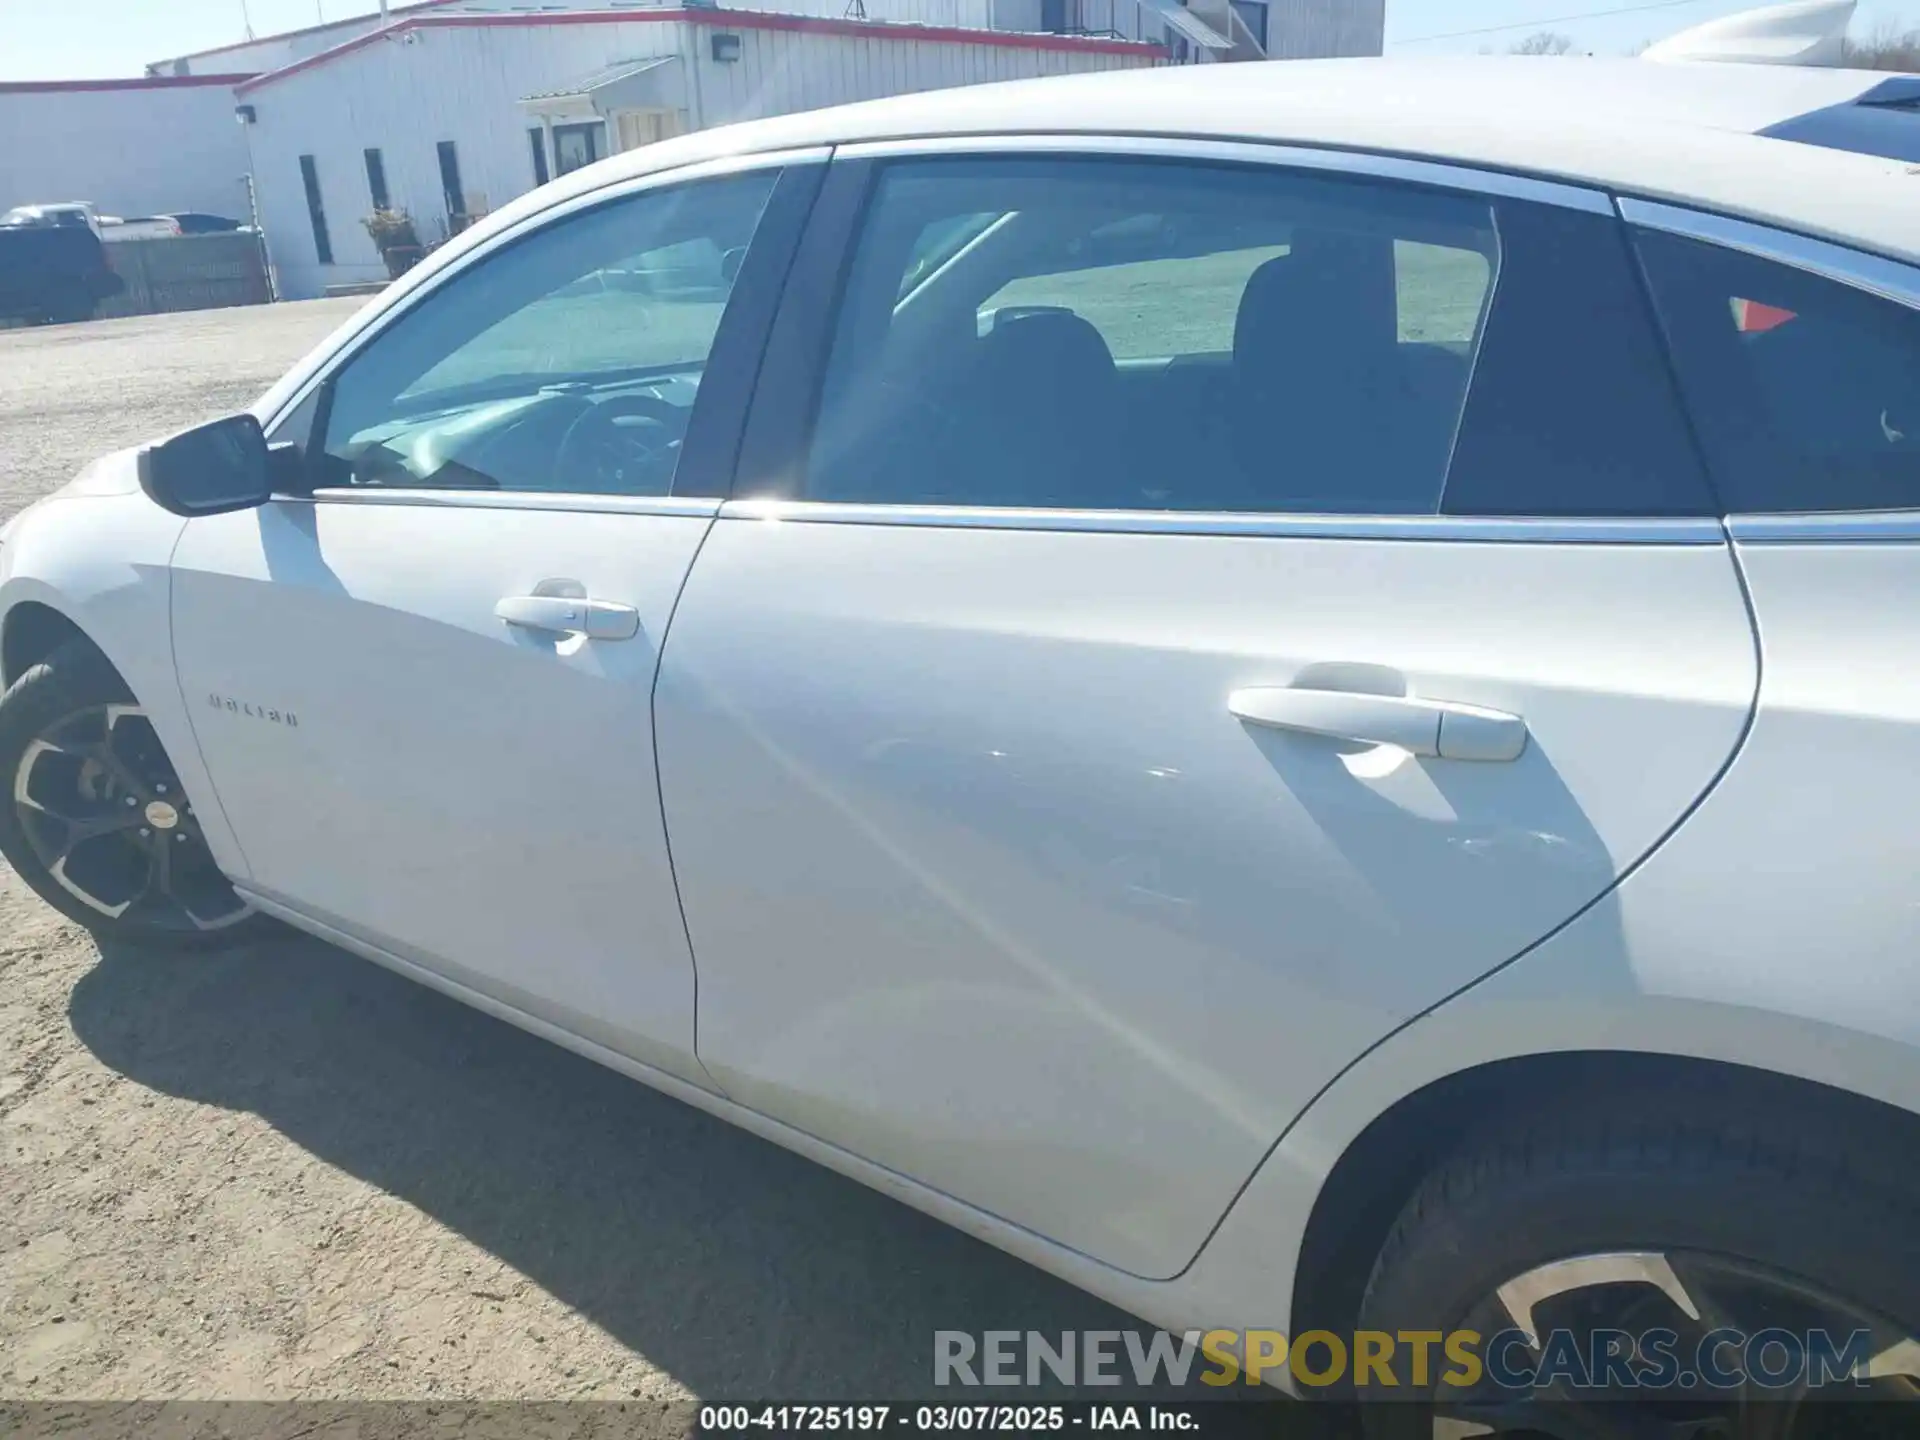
(286, 1173)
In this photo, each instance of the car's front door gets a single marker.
(1223, 606)
(423, 691)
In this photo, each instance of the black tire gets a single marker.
(1745, 1179)
(73, 683)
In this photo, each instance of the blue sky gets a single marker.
(90, 39)
(1639, 21)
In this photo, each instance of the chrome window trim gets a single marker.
(321, 364)
(1498, 530)
(690, 506)
(1889, 279)
(1838, 527)
(1360, 163)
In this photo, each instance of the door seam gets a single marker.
(660, 796)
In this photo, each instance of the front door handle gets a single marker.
(570, 615)
(1437, 728)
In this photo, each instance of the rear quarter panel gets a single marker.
(1778, 929)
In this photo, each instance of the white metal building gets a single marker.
(130, 147)
(1126, 19)
(449, 115)
(449, 108)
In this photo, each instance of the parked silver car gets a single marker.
(1292, 691)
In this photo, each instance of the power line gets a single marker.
(1541, 24)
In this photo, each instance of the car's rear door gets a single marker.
(1068, 773)
(423, 690)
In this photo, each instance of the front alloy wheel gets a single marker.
(98, 822)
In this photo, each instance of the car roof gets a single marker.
(1685, 133)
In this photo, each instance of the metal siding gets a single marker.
(404, 97)
(271, 52)
(128, 152)
(1310, 29)
(789, 70)
(463, 84)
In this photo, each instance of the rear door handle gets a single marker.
(1437, 728)
(570, 615)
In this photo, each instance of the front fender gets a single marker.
(98, 553)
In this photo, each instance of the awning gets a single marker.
(654, 84)
(1184, 22)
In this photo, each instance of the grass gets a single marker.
(1152, 308)
(1188, 306)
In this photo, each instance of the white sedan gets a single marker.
(1290, 690)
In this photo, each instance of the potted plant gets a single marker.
(396, 240)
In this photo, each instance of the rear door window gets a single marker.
(1120, 334)
(1104, 334)
(1806, 391)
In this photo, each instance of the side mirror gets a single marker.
(210, 469)
(730, 264)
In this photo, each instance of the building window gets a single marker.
(1253, 14)
(322, 246)
(1060, 17)
(577, 145)
(537, 138)
(450, 185)
(377, 180)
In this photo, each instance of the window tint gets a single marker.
(377, 179)
(316, 212)
(1138, 335)
(450, 189)
(1805, 391)
(1573, 410)
(537, 142)
(567, 362)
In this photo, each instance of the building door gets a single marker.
(578, 145)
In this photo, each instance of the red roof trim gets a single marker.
(732, 20)
(145, 82)
(394, 13)
(907, 30)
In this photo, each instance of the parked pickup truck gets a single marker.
(51, 273)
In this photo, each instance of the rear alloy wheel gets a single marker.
(1675, 1269)
(97, 821)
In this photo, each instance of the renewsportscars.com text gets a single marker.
(1378, 1363)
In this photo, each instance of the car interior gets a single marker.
(1301, 393)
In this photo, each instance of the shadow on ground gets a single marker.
(738, 1268)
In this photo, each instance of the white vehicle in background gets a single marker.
(69, 212)
(1292, 691)
(107, 227)
(143, 227)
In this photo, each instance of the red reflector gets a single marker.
(1750, 317)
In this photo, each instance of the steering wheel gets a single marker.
(625, 445)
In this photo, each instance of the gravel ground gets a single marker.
(285, 1173)
(70, 392)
